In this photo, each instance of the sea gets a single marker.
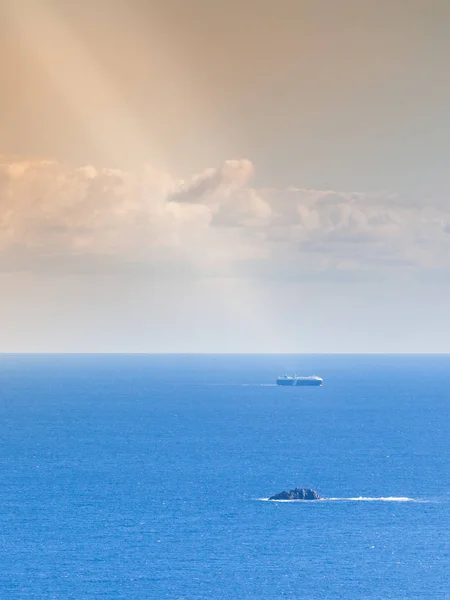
(141, 477)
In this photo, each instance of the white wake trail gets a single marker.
(355, 499)
(374, 499)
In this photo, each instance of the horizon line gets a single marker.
(116, 353)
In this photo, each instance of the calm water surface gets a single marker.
(141, 477)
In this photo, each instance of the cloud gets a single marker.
(216, 222)
(226, 192)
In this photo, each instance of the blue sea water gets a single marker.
(141, 477)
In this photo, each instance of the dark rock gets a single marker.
(297, 494)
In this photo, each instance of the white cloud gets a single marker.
(215, 222)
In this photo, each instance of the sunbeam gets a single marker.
(98, 101)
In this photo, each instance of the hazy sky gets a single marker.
(267, 175)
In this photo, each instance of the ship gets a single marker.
(292, 380)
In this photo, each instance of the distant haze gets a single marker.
(208, 176)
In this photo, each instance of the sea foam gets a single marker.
(355, 499)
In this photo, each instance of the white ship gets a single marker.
(292, 380)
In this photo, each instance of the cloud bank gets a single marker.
(215, 223)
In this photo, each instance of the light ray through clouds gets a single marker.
(69, 64)
(103, 113)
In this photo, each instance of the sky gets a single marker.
(208, 176)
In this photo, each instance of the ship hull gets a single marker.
(299, 382)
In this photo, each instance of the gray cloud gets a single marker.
(55, 217)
